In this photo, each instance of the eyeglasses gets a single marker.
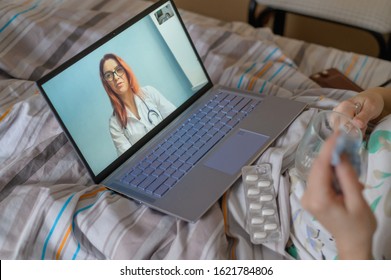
(109, 75)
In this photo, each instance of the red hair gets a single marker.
(115, 99)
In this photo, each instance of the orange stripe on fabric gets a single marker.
(224, 206)
(225, 212)
(260, 73)
(5, 114)
(27, 2)
(67, 233)
(351, 65)
(281, 58)
(92, 193)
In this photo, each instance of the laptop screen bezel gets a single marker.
(97, 178)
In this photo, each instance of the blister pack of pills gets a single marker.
(262, 214)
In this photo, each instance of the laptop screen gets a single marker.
(120, 89)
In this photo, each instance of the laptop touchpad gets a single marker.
(236, 151)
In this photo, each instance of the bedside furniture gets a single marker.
(371, 16)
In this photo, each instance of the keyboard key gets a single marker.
(180, 132)
(206, 110)
(163, 157)
(165, 145)
(224, 103)
(137, 181)
(232, 123)
(224, 130)
(243, 103)
(180, 152)
(187, 146)
(237, 99)
(220, 96)
(170, 182)
(136, 171)
(185, 157)
(178, 174)
(127, 179)
(158, 172)
(177, 164)
(205, 148)
(144, 164)
(155, 165)
(218, 126)
(185, 167)
(158, 151)
(191, 151)
(170, 171)
(198, 145)
(173, 158)
(148, 171)
(156, 184)
(144, 184)
(161, 190)
(212, 104)
(171, 150)
(165, 165)
(185, 139)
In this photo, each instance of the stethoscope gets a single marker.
(153, 116)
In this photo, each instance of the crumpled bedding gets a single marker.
(50, 208)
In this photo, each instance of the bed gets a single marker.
(50, 208)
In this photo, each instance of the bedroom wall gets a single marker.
(297, 27)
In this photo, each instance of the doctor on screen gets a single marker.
(136, 109)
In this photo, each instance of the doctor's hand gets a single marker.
(346, 215)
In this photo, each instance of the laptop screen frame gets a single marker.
(97, 178)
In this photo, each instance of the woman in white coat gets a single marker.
(136, 109)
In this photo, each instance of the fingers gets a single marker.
(346, 107)
(321, 174)
(363, 117)
(327, 148)
(353, 109)
(350, 185)
(372, 106)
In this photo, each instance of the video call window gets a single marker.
(164, 14)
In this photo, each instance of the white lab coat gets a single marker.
(135, 129)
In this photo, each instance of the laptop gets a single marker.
(147, 122)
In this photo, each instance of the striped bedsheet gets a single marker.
(49, 207)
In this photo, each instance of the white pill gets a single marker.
(255, 206)
(259, 234)
(264, 184)
(251, 178)
(266, 197)
(257, 221)
(268, 212)
(270, 226)
(253, 191)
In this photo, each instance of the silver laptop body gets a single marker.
(218, 168)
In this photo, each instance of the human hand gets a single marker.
(365, 106)
(346, 215)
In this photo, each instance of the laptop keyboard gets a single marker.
(180, 151)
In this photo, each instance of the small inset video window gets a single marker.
(164, 14)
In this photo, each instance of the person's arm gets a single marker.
(120, 141)
(347, 216)
(374, 104)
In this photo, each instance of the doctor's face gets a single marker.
(115, 76)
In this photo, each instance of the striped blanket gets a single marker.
(50, 208)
